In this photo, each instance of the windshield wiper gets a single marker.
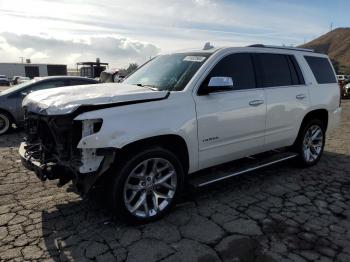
(154, 88)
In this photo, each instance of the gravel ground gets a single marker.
(280, 214)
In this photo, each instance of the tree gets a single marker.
(131, 68)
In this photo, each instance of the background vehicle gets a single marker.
(342, 77)
(182, 114)
(4, 82)
(111, 76)
(3, 77)
(347, 90)
(342, 85)
(14, 79)
(19, 79)
(11, 111)
(22, 79)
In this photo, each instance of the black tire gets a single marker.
(300, 144)
(5, 122)
(123, 171)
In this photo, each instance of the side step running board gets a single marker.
(245, 165)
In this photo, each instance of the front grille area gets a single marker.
(53, 139)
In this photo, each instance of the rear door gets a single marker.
(287, 97)
(231, 122)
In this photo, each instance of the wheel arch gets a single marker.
(174, 143)
(321, 114)
(9, 114)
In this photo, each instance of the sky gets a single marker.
(124, 31)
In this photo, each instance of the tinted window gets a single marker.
(77, 82)
(297, 76)
(273, 70)
(47, 85)
(237, 66)
(321, 69)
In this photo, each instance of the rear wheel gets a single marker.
(5, 123)
(147, 185)
(310, 143)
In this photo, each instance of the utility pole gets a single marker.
(331, 26)
(22, 59)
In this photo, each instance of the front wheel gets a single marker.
(5, 123)
(310, 143)
(147, 185)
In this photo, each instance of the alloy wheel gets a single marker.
(312, 143)
(150, 187)
(4, 123)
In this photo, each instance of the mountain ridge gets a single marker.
(336, 44)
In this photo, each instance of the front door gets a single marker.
(231, 123)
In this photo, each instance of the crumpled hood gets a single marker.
(64, 100)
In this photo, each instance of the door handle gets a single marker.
(301, 96)
(256, 102)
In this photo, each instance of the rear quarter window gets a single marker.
(322, 69)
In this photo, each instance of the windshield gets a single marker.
(17, 87)
(168, 72)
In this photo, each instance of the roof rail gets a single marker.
(283, 47)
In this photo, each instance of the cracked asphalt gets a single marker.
(279, 214)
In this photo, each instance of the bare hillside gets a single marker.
(336, 44)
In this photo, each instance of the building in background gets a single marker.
(32, 70)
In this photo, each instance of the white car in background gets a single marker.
(342, 77)
(347, 90)
(22, 79)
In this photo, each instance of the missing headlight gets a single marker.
(90, 162)
(91, 126)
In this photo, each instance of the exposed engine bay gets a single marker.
(50, 148)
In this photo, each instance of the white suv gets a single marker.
(177, 116)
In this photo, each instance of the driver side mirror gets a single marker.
(220, 82)
(217, 83)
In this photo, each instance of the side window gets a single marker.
(237, 66)
(273, 70)
(77, 82)
(322, 69)
(47, 85)
(295, 71)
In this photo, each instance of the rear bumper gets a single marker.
(334, 119)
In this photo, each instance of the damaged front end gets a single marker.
(50, 149)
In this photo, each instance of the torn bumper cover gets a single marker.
(50, 150)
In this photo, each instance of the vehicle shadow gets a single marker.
(87, 229)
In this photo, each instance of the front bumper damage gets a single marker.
(50, 150)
